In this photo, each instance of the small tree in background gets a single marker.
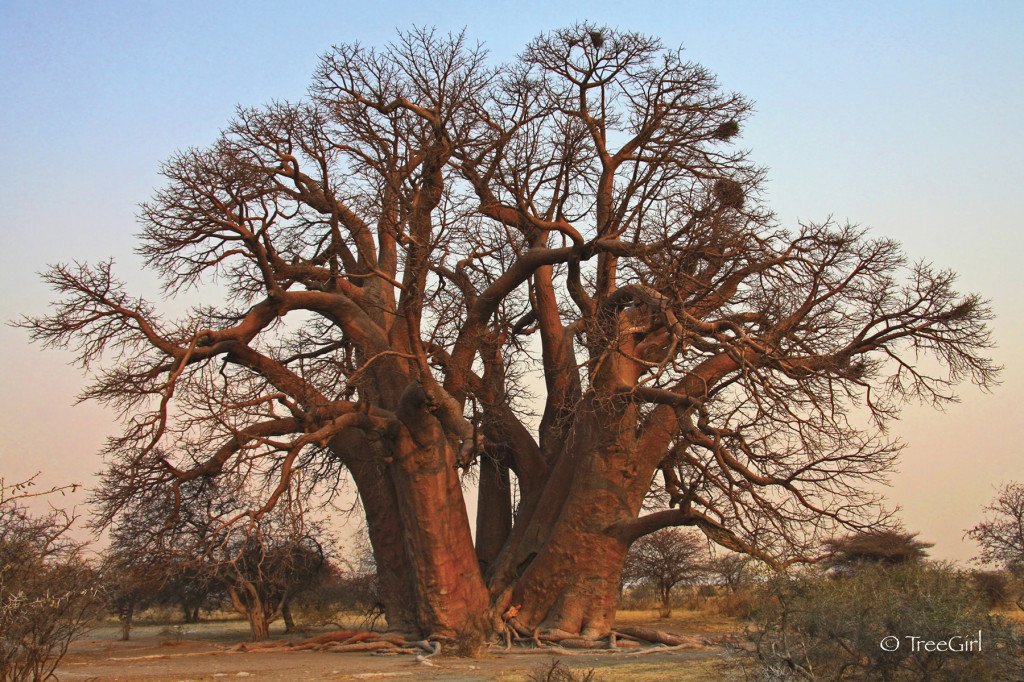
(265, 568)
(152, 561)
(664, 559)
(190, 583)
(48, 593)
(995, 587)
(880, 547)
(732, 570)
(132, 571)
(128, 586)
(1001, 535)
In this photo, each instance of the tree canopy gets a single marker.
(888, 547)
(556, 274)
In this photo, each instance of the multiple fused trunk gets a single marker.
(558, 567)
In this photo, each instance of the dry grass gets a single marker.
(1010, 613)
(634, 670)
(695, 622)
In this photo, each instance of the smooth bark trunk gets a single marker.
(365, 461)
(565, 576)
(493, 511)
(450, 592)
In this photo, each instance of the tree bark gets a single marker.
(450, 591)
(259, 627)
(493, 511)
(247, 602)
(566, 578)
(384, 525)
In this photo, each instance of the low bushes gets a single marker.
(905, 622)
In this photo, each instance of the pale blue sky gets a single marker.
(902, 116)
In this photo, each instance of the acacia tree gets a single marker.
(886, 547)
(396, 252)
(147, 561)
(189, 551)
(269, 564)
(664, 559)
(732, 570)
(190, 584)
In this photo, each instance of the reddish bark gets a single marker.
(493, 511)
(572, 583)
(450, 591)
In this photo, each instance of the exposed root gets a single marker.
(625, 640)
(660, 637)
(341, 640)
(360, 646)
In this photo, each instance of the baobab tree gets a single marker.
(396, 255)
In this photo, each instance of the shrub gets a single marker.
(736, 604)
(994, 587)
(48, 593)
(556, 672)
(837, 627)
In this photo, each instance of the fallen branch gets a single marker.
(153, 657)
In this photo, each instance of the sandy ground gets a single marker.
(197, 652)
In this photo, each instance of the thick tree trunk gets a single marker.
(573, 584)
(450, 591)
(569, 580)
(384, 524)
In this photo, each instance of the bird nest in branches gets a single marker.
(727, 130)
(729, 193)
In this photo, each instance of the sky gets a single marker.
(904, 117)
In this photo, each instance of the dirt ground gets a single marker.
(198, 652)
